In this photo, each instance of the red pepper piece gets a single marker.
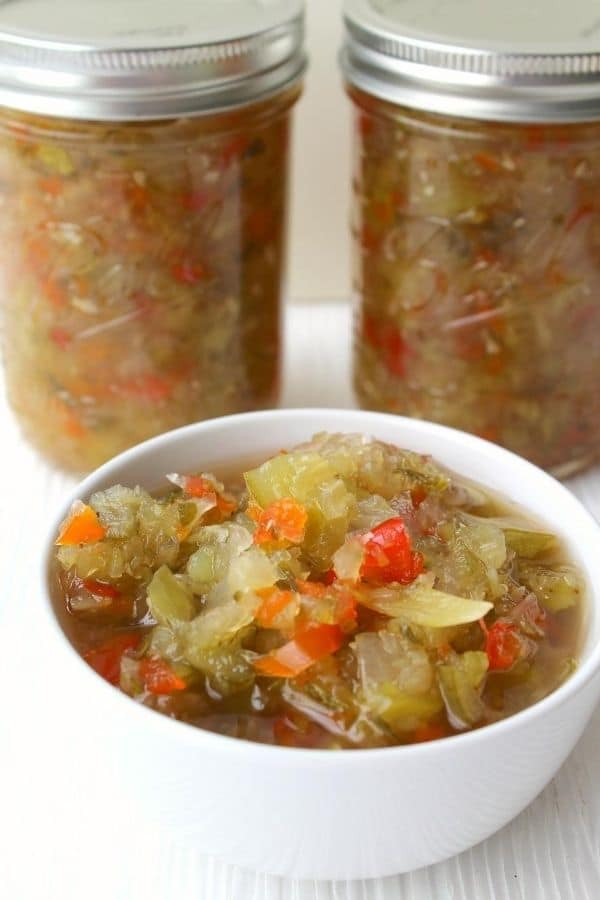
(366, 124)
(188, 272)
(502, 646)
(137, 197)
(578, 214)
(195, 200)
(394, 348)
(101, 588)
(389, 555)
(385, 337)
(329, 577)
(106, 659)
(61, 337)
(417, 495)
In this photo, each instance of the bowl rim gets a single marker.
(585, 673)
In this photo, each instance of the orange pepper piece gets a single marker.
(274, 601)
(487, 162)
(51, 185)
(159, 678)
(72, 425)
(56, 294)
(309, 645)
(284, 519)
(345, 613)
(431, 732)
(81, 526)
(197, 486)
(417, 496)
(311, 588)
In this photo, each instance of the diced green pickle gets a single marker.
(170, 599)
(556, 589)
(529, 544)
(460, 683)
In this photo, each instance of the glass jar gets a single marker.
(476, 232)
(143, 233)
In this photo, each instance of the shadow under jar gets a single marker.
(143, 228)
(476, 225)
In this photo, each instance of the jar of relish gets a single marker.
(476, 220)
(143, 162)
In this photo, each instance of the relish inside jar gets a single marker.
(141, 272)
(478, 272)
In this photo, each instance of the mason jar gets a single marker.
(476, 219)
(143, 165)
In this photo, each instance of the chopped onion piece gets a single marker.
(251, 571)
(385, 658)
(218, 625)
(348, 560)
(424, 605)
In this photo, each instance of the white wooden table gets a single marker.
(51, 849)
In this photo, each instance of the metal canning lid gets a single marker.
(486, 59)
(146, 59)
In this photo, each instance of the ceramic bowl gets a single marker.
(319, 813)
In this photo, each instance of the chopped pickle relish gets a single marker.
(345, 594)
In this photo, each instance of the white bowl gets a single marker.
(319, 813)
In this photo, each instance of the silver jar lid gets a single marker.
(506, 60)
(146, 59)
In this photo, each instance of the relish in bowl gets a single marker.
(343, 594)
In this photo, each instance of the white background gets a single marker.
(319, 236)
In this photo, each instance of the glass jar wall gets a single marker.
(477, 276)
(141, 270)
